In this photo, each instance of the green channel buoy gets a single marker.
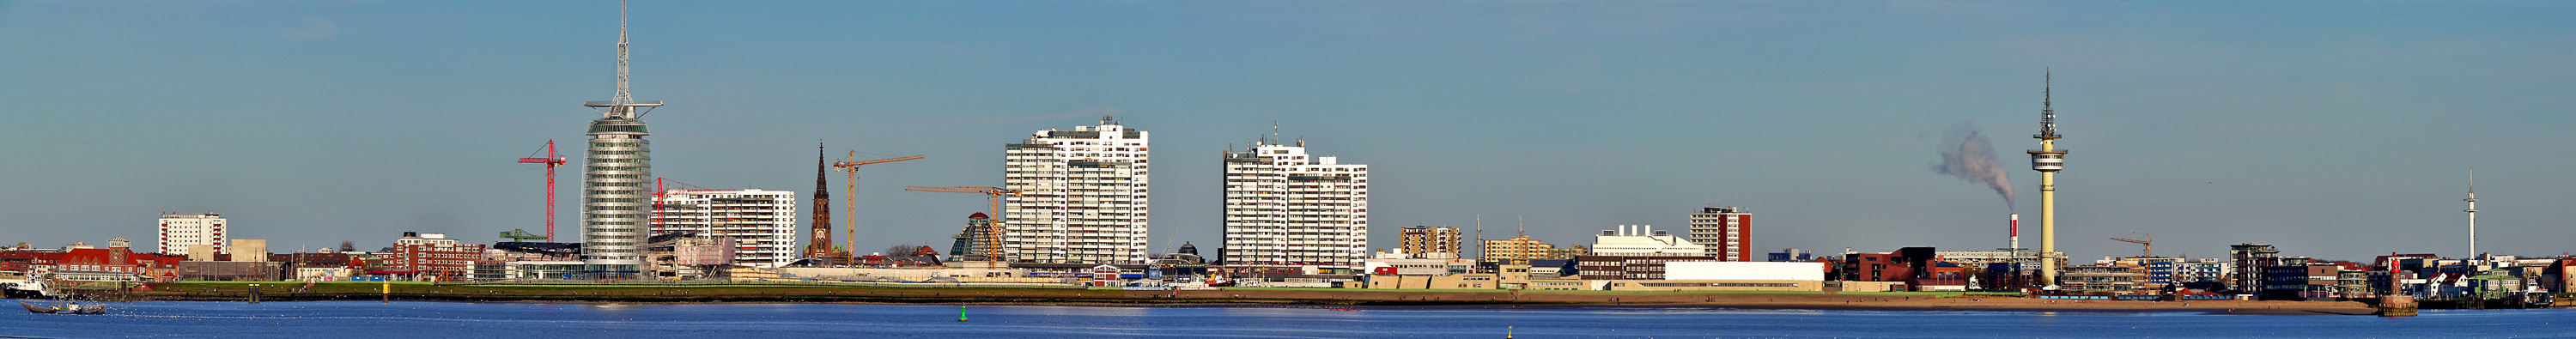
(961, 313)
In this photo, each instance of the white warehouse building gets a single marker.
(1285, 207)
(761, 222)
(1643, 240)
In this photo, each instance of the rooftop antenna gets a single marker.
(1523, 223)
(1480, 235)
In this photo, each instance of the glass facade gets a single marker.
(616, 197)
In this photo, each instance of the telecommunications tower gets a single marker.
(2473, 215)
(2047, 160)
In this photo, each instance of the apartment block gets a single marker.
(1725, 232)
(1426, 239)
(182, 231)
(1286, 207)
(1083, 196)
(762, 223)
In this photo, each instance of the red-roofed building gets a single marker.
(73, 266)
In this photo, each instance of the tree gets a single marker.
(348, 246)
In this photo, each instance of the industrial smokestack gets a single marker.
(2015, 244)
(1967, 154)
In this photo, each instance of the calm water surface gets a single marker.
(354, 319)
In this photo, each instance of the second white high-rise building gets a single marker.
(1284, 207)
(180, 231)
(762, 223)
(1082, 195)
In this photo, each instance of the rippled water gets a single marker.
(357, 319)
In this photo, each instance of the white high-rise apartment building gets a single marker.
(179, 231)
(762, 223)
(1082, 196)
(1726, 231)
(1284, 207)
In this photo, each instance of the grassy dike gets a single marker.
(939, 294)
(801, 292)
(676, 292)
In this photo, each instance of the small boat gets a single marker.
(66, 303)
(66, 307)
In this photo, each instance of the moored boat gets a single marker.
(66, 307)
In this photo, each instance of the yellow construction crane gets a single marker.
(851, 198)
(992, 231)
(2143, 239)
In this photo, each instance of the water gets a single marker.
(370, 320)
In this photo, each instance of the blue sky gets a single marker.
(2332, 129)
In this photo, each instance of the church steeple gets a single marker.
(820, 166)
(822, 237)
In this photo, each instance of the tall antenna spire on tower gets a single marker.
(2047, 114)
(623, 104)
(622, 98)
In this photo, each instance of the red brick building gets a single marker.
(440, 262)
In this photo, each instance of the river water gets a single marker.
(369, 320)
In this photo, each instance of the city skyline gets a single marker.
(2341, 134)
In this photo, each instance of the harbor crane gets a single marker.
(993, 231)
(2142, 239)
(551, 161)
(850, 196)
(520, 235)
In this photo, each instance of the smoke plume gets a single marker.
(1968, 155)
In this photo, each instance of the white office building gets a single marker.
(762, 223)
(1285, 207)
(181, 231)
(1082, 196)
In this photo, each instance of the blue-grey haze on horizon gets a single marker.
(2332, 129)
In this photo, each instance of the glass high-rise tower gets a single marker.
(616, 204)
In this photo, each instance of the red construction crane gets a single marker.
(993, 232)
(551, 161)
